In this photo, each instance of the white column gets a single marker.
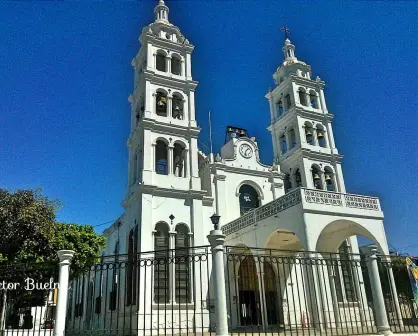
(314, 136)
(149, 101)
(65, 257)
(220, 190)
(381, 318)
(330, 136)
(188, 66)
(287, 137)
(183, 68)
(306, 175)
(172, 270)
(168, 64)
(340, 178)
(216, 240)
(323, 182)
(170, 166)
(322, 98)
(150, 57)
(191, 108)
(169, 106)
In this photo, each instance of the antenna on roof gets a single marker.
(210, 137)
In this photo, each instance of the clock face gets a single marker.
(246, 151)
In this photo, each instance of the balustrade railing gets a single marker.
(301, 195)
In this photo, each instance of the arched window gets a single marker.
(292, 138)
(329, 179)
(302, 97)
(283, 144)
(280, 109)
(177, 107)
(313, 99)
(176, 65)
(161, 266)
(179, 160)
(316, 178)
(309, 134)
(287, 183)
(182, 267)
(161, 62)
(161, 104)
(161, 157)
(298, 178)
(248, 199)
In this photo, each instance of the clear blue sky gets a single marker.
(65, 78)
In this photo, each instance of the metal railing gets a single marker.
(298, 196)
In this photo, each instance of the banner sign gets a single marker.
(413, 277)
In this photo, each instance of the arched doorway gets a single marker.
(248, 292)
(273, 307)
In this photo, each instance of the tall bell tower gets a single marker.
(163, 183)
(303, 141)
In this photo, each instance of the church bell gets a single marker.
(328, 178)
(316, 177)
(309, 132)
(320, 135)
(162, 101)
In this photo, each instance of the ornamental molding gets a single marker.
(169, 129)
(177, 82)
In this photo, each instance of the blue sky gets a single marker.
(66, 75)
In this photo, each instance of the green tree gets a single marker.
(31, 238)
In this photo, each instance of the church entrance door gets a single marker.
(249, 297)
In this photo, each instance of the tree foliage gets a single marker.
(29, 232)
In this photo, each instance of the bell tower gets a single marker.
(163, 168)
(303, 141)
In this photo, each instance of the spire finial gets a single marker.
(286, 31)
(161, 12)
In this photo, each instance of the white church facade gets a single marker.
(298, 205)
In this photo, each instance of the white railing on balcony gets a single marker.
(301, 195)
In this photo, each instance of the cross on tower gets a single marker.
(285, 30)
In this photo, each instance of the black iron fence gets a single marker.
(28, 299)
(172, 292)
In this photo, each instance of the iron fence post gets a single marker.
(378, 299)
(216, 240)
(65, 257)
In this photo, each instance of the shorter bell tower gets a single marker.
(303, 141)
